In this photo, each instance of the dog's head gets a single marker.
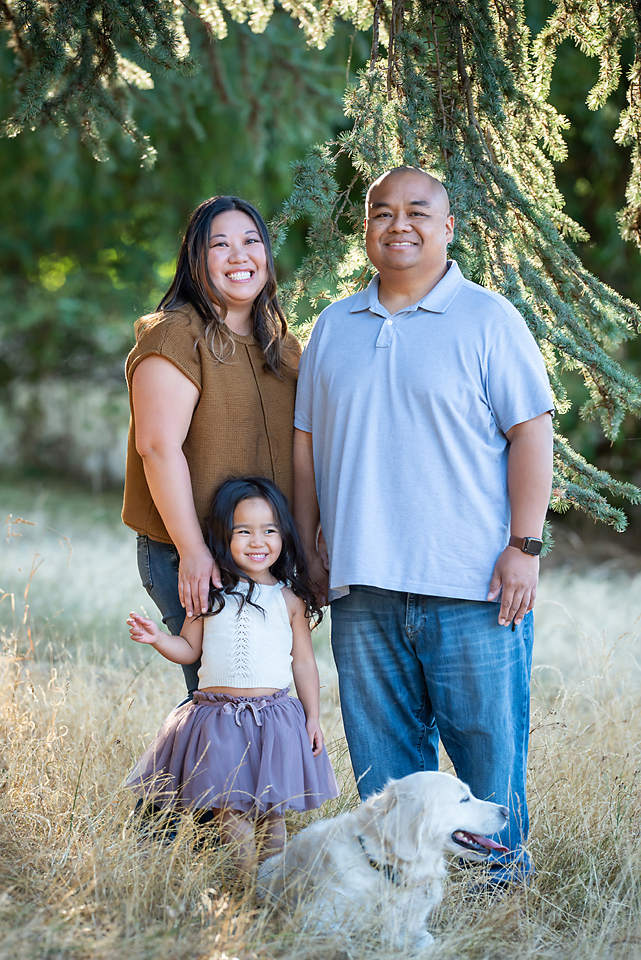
(426, 815)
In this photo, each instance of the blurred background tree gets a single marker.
(88, 246)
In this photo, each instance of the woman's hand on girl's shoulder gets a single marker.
(142, 629)
(196, 572)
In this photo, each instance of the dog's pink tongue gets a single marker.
(486, 842)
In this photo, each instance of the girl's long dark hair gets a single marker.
(290, 567)
(192, 284)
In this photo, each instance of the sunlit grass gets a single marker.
(78, 702)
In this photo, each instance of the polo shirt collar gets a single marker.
(436, 301)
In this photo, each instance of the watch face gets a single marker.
(532, 546)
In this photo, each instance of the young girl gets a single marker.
(244, 747)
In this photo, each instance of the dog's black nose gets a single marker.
(505, 812)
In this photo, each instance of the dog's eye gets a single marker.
(465, 800)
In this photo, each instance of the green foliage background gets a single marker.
(593, 181)
(87, 246)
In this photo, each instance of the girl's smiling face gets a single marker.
(256, 542)
(237, 259)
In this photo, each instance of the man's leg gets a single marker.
(478, 677)
(386, 709)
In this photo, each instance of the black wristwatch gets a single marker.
(530, 545)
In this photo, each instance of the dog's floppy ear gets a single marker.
(399, 819)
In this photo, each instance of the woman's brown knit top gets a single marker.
(242, 425)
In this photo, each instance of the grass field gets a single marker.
(78, 702)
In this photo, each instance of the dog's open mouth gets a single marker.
(472, 841)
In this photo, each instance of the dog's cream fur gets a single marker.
(381, 867)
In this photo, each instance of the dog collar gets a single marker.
(389, 872)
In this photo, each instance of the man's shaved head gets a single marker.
(438, 191)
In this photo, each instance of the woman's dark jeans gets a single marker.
(158, 568)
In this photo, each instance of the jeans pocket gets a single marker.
(144, 567)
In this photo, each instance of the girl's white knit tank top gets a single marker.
(248, 648)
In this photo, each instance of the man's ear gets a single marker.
(449, 227)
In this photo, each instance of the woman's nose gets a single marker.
(238, 254)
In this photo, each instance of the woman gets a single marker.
(212, 382)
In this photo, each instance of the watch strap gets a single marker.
(530, 545)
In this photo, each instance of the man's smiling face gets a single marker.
(408, 224)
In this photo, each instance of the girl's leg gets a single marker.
(235, 829)
(271, 834)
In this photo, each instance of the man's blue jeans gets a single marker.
(158, 568)
(412, 667)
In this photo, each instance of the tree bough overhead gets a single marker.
(460, 89)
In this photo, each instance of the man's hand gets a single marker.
(516, 574)
(320, 578)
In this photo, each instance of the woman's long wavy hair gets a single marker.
(290, 567)
(192, 284)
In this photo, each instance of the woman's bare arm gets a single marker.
(164, 400)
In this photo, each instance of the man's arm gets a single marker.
(529, 479)
(306, 511)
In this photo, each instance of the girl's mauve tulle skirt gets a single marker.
(250, 754)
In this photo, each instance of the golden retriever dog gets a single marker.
(381, 867)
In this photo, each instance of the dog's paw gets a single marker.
(422, 942)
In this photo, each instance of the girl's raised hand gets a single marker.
(315, 735)
(142, 629)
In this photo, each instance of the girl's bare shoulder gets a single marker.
(295, 606)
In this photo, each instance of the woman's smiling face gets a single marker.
(237, 259)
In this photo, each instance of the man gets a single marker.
(423, 430)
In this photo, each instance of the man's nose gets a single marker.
(400, 222)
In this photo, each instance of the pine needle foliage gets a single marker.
(600, 28)
(69, 69)
(76, 61)
(460, 93)
(457, 88)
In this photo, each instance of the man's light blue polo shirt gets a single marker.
(408, 414)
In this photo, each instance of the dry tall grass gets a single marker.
(77, 706)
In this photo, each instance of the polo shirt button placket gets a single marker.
(386, 333)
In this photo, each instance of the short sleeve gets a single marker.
(173, 337)
(517, 382)
(304, 389)
(292, 350)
